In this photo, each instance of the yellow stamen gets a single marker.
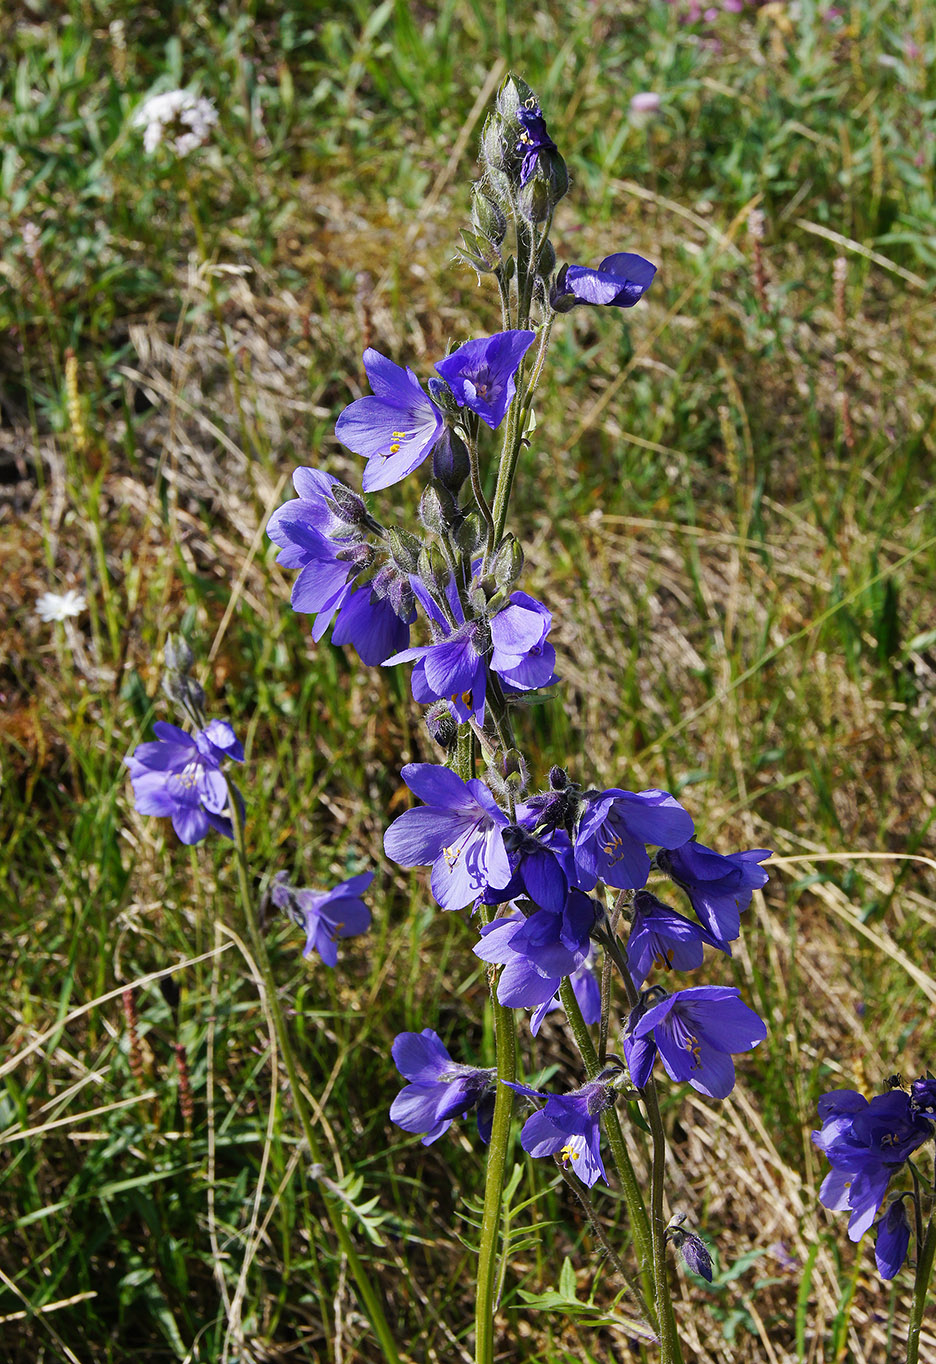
(451, 856)
(568, 1153)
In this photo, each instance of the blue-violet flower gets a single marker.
(719, 888)
(179, 775)
(569, 1126)
(620, 281)
(481, 373)
(459, 832)
(395, 429)
(325, 916)
(441, 1089)
(695, 1032)
(616, 825)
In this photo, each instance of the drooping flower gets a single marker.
(459, 832)
(440, 1088)
(183, 118)
(616, 826)
(569, 1126)
(511, 641)
(481, 373)
(661, 938)
(893, 1239)
(325, 916)
(533, 139)
(323, 532)
(587, 992)
(693, 1250)
(620, 281)
(719, 887)
(60, 606)
(696, 1032)
(179, 775)
(538, 952)
(865, 1142)
(395, 429)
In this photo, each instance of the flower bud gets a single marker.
(495, 148)
(404, 549)
(546, 260)
(513, 95)
(482, 255)
(487, 217)
(438, 510)
(349, 506)
(442, 724)
(450, 462)
(471, 534)
(177, 654)
(432, 568)
(692, 1249)
(543, 190)
(443, 397)
(508, 563)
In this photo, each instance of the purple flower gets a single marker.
(693, 1250)
(923, 1096)
(609, 845)
(179, 775)
(325, 916)
(865, 1142)
(661, 938)
(620, 281)
(645, 102)
(533, 139)
(893, 1238)
(538, 952)
(587, 992)
(323, 538)
(441, 1089)
(481, 373)
(696, 1032)
(718, 887)
(458, 832)
(512, 642)
(395, 429)
(570, 1126)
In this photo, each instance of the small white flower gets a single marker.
(60, 606)
(184, 119)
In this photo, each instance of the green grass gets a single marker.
(740, 566)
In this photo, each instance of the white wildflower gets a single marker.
(184, 119)
(60, 606)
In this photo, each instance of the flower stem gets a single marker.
(670, 1352)
(372, 1303)
(926, 1252)
(505, 1037)
(636, 1211)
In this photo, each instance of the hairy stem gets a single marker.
(505, 1037)
(636, 1211)
(372, 1303)
(926, 1253)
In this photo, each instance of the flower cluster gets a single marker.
(181, 118)
(179, 775)
(866, 1142)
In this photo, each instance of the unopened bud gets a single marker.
(482, 255)
(438, 510)
(348, 505)
(487, 217)
(546, 260)
(508, 563)
(542, 192)
(442, 725)
(471, 534)
(495, 149)
(442, 396)
(177, 654)
(404, 549)
(450, 462)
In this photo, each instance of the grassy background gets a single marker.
(728, 506)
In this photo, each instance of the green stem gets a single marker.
(372, 1303)
(636, 1211)
(505, 1038)
(513, 436)
(924, 1272)
(670, 1352)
